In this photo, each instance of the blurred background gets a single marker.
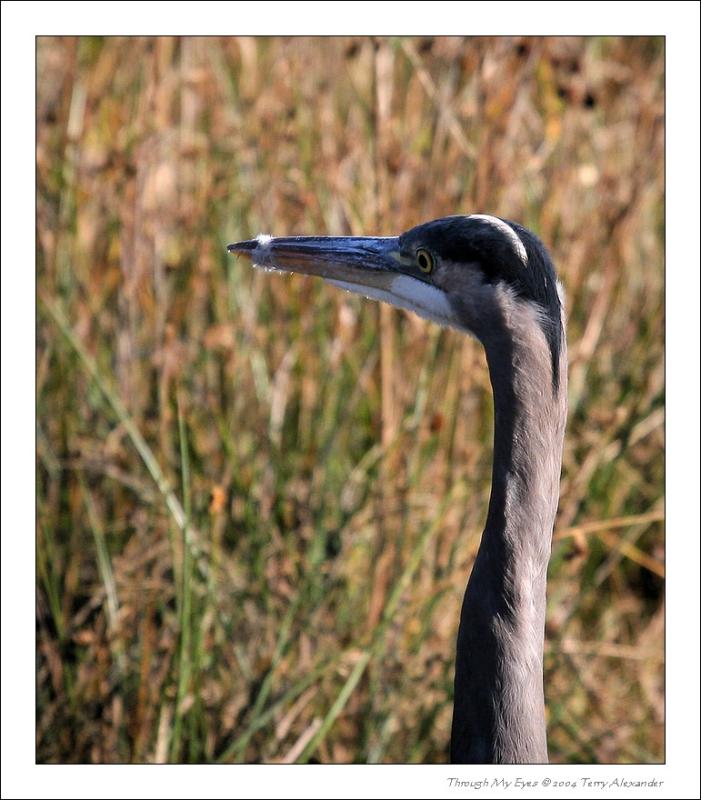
(259, 498)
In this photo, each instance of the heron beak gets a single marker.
(369, 266)
(356, 263)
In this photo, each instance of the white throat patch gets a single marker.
(409, 293)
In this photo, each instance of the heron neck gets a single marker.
(499, 707)
(529, 424)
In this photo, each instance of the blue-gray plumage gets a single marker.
(493, 279)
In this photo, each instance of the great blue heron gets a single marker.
(494, 279)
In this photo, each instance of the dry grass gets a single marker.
(259, 498)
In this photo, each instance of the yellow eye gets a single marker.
(425, 260)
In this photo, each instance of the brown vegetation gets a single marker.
(258, 497)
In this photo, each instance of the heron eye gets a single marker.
(425, 261)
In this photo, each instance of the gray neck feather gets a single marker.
(499, 714)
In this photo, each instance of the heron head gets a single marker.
(459, 271)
